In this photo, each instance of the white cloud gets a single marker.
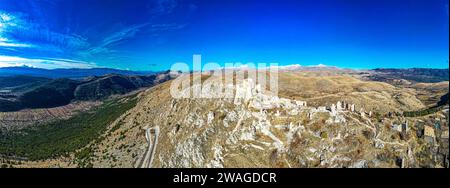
(293, 66)
(7, 20)
(17, 25)
(4, 42)
(5, 17)
(321, 66)
(109, 42)
(122, 34)
(14, 61)
(13, 65)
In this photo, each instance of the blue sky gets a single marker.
(152, 35)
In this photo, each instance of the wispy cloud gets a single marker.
(4, 42)
(167, 27)
(32, 35)
(293, 66)
(6, 22)
(16, 30)
(106, 46)
(319, 65)
(116, 38)
(163, 6)
(49, 63)
(125, 33)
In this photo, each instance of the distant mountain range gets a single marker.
(26, 87)
(412, 74)
(20, 92)
(65, 73)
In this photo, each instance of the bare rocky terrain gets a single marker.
(331, 120)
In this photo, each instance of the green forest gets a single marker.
(63, 137)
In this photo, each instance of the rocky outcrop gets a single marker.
(252, 129)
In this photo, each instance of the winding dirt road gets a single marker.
(146, 161)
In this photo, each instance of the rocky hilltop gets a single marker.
(256, 129)
(330, 120)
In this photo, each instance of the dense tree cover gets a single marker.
(14, 81)
(423, 112)
(111, 85)
(63, 136)
(8, 105)
(440, 105)
(443, 100)
(48, 93)
(56, 93)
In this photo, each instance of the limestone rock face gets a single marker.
(359, 164)
(339, 106)
(314, 121)
(252, 129)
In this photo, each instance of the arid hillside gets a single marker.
(333, 120)
(430, 93)
(324, 90)
(304, 127)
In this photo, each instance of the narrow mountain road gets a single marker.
(155, 143)
(146, 161)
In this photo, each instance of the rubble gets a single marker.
(217, 162)
(359, 164)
